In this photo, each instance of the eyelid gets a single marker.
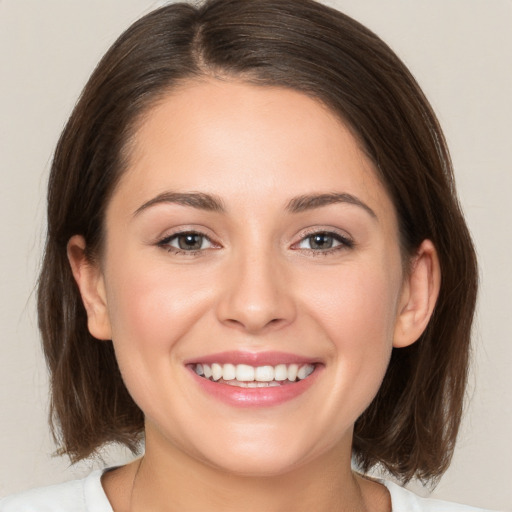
(345, 240)
(165, 240)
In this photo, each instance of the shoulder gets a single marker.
(404, 500)
(84, 495)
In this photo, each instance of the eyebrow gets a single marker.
(214, 203)
(198, 200)
(312, 201)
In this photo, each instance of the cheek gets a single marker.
(357, 306)
(150, 304)
(150, 312)
(357, 311)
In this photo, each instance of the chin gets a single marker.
(261, 454)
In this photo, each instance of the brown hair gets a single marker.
(411, 426)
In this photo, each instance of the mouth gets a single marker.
(249, 379)
(247, 376)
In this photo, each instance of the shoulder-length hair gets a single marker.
(411, 426)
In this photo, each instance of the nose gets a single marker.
(256, 294)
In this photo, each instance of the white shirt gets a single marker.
(87, 495)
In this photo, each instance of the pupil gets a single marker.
(190, 241)
(321, 241)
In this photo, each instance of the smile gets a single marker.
(245, 379)
(247, 376)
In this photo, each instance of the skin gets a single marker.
(258, 285)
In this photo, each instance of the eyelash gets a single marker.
(165, 243)
(344, 243)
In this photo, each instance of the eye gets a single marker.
(189, 241)
(324, 241)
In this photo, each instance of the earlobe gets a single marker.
(419, 295)
(90, 281)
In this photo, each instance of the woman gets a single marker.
(253, 263)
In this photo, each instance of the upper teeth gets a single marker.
(246, 373)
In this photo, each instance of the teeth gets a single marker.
(253, 384)
(244, 375)
(216, 371)
(293, 369)
(304, 371)
(264, 373)
(244, 372)
(228, 372)
(280, 372)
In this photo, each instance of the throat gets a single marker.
(185, 483)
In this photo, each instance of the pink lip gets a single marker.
(254, 397)
(252, 358)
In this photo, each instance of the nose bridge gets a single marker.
(255, 296)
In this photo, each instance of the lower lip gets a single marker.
(255, 397)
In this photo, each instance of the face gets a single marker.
(250, 239)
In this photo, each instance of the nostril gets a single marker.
(254, 324)
(255, 304)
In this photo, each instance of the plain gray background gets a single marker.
(461, 53)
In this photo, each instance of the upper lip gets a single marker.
(252, 358)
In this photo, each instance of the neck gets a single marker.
(169, 482)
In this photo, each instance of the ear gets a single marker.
(90, 281)
(419, 295)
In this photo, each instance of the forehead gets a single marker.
(234, 139)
